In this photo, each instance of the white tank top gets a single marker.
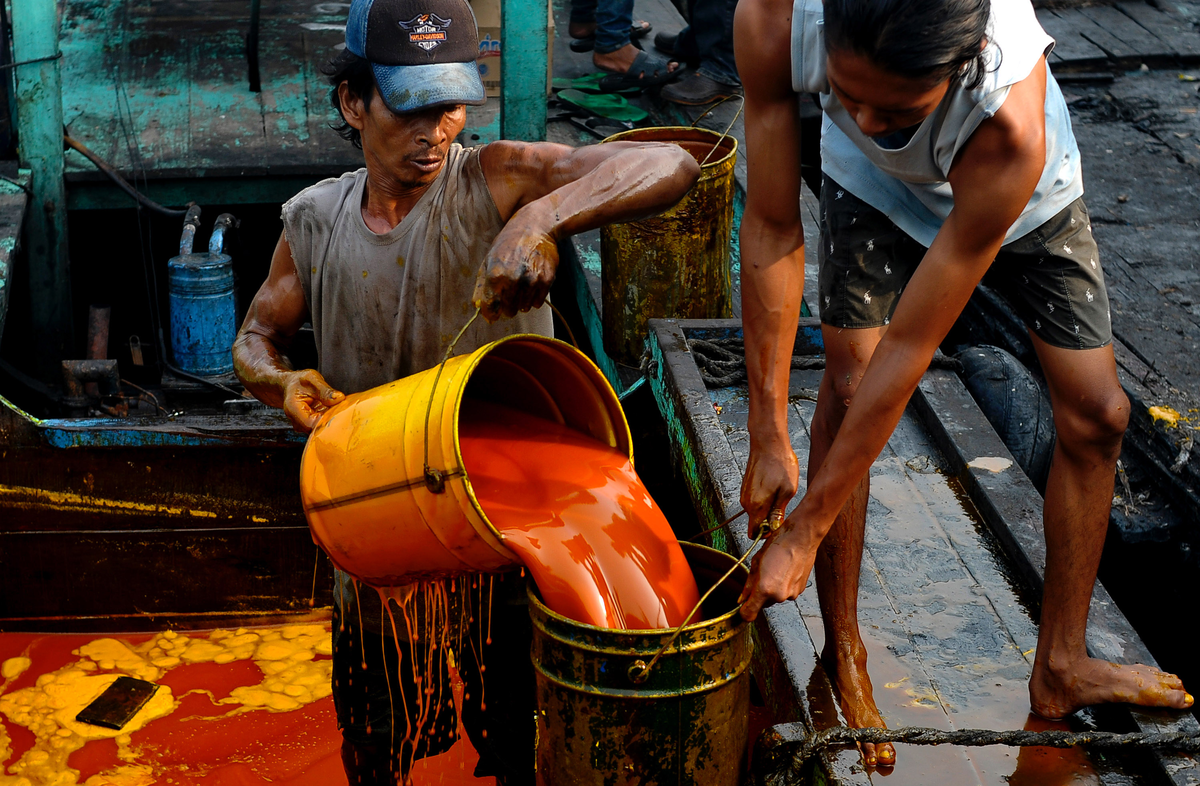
(909, 184)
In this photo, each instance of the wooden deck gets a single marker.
(949, 580)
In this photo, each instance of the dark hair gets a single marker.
(356, 72)
(920, 39)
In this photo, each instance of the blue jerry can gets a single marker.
(203, 307)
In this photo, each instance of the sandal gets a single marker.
(636, 31)
(648, 70)
(607, 105)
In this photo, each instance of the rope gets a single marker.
(722, 361)
(801, 751)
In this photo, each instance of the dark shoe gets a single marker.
(696, 89)
(665, 43)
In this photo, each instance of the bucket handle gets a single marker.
(725, 133)
(639, 670)
(435, 479)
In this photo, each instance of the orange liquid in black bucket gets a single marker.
(578, 516)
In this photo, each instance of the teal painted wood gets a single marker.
(39, 128)
(13, 203)
(523, 78)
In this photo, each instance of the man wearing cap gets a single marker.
(389, 263)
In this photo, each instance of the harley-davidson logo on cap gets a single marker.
(426, 31)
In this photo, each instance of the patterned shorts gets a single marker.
(1051, 276)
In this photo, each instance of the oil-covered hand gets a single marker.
(771, 479)
(779, 572)
(306, 398)
(518, 271)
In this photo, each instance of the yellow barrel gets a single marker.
(675, 264)
(370, 503)
(686, 724)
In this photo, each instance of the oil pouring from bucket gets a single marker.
(519, 453)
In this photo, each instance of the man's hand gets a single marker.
(306, 397)
(780, 571)
(519, 268)
(771, 479)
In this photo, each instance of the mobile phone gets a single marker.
(119, 702)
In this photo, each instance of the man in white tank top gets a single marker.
(388, 263)
(947, 154)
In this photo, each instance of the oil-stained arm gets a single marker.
(547, 192)
(276, 314)
(772, 243)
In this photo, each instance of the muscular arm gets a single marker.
(993, 179)
(275, 315)
(772, 243)
(546, 192)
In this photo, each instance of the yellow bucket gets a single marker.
(675, 264)
(382, 478)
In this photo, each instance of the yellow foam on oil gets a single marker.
(286, 655)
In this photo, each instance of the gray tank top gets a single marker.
(387, 306)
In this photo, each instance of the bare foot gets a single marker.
(620, 61)
(1056, 691)
(848, 666)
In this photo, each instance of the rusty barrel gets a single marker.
(687, 723)
(382, 479)
(675, 264)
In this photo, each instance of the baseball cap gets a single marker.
(423, 52)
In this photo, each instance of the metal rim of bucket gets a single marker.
(706, 170)
(588, 368)
(654, 638)
(695, 627)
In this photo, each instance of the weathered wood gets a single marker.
(13, 200)
(1070, 46)
(1180, 38)
(1137, 39)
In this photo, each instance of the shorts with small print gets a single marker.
(1051, 276)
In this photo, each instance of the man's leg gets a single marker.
(1090, 416)
(847, 353)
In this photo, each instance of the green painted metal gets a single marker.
(40, 137)
(685, 724)
(523, 78)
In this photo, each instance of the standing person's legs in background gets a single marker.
(613, 50)
(583, 26)
(707, 42)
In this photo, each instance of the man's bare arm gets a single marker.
(547, 192)
(772, 242)
(993, 179)
(275, 315)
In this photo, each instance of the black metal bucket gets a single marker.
(686, 723)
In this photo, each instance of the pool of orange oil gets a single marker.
(573, 509)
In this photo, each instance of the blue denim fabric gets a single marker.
(710, 38)
(613, 19)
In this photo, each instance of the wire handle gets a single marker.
(435, 479)
(639, 670)
(724, 133)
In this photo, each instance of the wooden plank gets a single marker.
(1012, 509)
(1069, 45)
(1137, 38)
(1084, 25)
(1181, 39)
